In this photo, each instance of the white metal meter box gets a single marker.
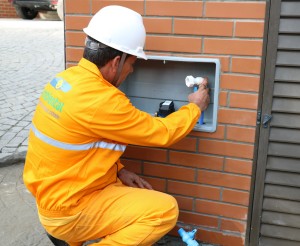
(162, 78)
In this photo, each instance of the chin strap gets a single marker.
(121, 63)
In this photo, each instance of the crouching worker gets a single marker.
(80, 129)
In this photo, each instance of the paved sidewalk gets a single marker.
(32, 52)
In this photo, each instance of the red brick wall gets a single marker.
(208, 173)
(7, 10)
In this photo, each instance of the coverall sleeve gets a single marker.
(124, 123)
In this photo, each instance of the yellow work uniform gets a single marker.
(80, 129)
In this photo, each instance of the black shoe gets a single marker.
(57, 242)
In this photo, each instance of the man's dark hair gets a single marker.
(99, 53)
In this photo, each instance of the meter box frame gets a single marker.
(162, 78)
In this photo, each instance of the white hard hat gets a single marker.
(120, 28)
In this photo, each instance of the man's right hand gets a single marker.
(201, 96)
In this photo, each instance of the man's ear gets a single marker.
(115, 64)
(110, 69)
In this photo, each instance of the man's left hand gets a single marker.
(131, 179)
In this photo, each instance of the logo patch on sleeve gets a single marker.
(61, 84)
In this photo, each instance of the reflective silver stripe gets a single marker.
(67, 146)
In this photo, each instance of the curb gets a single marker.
(7, 159)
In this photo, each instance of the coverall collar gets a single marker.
(91, 67)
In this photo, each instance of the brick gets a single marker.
(157, 183)
(235, 197)
(174, 44)
(169, 172)
(223, 98)
(159, 53)
(224, 60)
(147, 154)
(186, 144)
(238, 166)
(232, 47)
(76, 22)
(243, 100)
(240, 134)
(73, 54)
(136, 5)
(246, 10)
(196, 160)
(203, 27)
(158, 25)
(220, 238)
(226, 148)
(233, 226)
(237, 117)
(132, 165)
(221, 209)
(224, 180)
(70, 64)
(240, 82)
(185, 203)
(218, 134)
(249, 29)
(197, 219)
(246, 65)
(77, 7)
(75, 39)
(174, 8)
(193, 190)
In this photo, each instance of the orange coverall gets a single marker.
(80, 129)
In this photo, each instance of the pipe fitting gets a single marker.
(188, 237)
(190, 81)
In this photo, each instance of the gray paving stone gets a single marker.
(8, 149)
(23, 133)
(5, 110)
(29, 104)
(23, 123)
(10, 122)
(17, 107)
(22, 150)
(16, 129)
(5, 127)
(25, 143)
(3, 104)
(27, 127)
(3, 144)
(15, 142)
(8, 135)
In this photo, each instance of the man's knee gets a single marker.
(171, 210)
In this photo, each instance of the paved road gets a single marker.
(31, 52)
